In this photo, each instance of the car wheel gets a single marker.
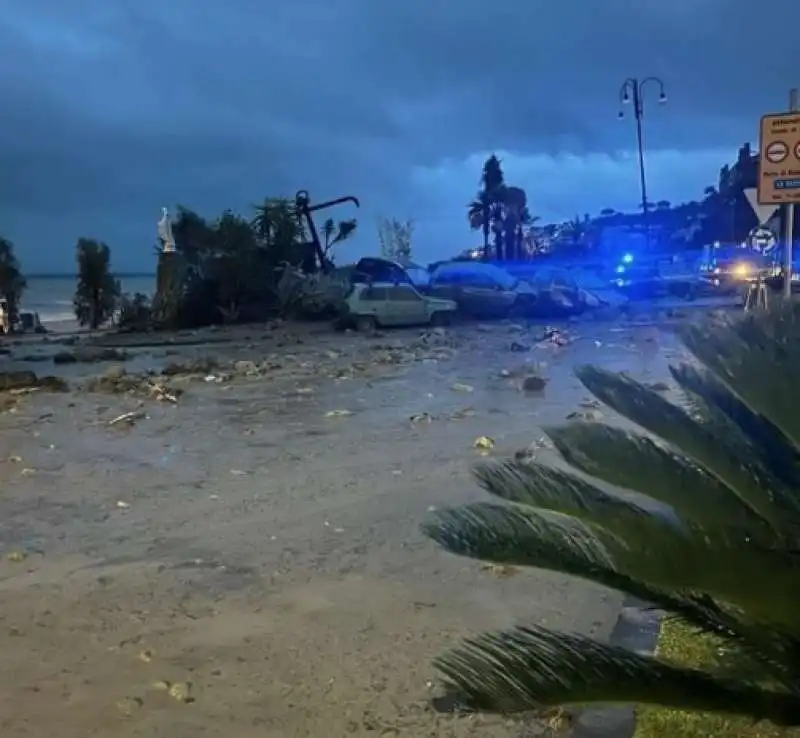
(366, 324)
(440, 319)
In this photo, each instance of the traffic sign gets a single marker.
(779, 160)
(776, 152)
(763, 212)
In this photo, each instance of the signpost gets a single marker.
(763, 212)
(779, 172)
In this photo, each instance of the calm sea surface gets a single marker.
(51, 297)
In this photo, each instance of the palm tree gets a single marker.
(479, 216)
(333, 233)
(515, 214)
(486, 211)
(725, 560)
(12, 283)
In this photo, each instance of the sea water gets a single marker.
(51, 296)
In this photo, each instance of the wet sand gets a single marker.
(259, 539)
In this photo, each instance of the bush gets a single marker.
(134, 313)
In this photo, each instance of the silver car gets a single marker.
(482, 290)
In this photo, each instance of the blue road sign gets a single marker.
(787, 184)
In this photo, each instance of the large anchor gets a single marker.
(304, 209)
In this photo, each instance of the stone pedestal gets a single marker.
(169, 290)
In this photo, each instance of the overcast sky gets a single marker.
(113, 108)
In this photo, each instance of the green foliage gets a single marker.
(97, 291)
(234, 268)
(134, 313)
(723, 555)
(501, 209)
(12, 283)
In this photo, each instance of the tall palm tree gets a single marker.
(727, 560)
(486, 211)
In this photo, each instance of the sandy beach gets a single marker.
(242, 555)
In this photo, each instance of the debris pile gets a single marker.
(118, 381)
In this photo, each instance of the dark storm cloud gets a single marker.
(113, 109)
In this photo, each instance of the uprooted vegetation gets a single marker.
(233, 270)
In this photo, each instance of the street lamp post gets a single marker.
(632, 92)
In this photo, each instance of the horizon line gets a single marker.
(59, 275)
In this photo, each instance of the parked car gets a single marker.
(377, 269)
(482, 290)
(728, 273)
(386, 304)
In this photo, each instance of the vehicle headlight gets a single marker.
(742, 270)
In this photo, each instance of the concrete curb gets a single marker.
(637, 629)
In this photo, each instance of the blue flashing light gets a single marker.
(627, 258)
(621, 269)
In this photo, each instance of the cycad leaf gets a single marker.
(511, 535)
(631, 461)
(667, 421)
(529, 668)
(664, 558)
(552, 489)
(740, 352)
(766, 441)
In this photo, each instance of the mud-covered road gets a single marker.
(247, 561)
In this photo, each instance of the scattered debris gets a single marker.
(27, 381)
(421, 418)
(484, 443)
(87, 355)
(146, 655)
(459, 387)
(246, 367)
(555, 336)
(464, 412)
(122, 505)
(128, 705)
(533, 383)
(16, 557)
(181, 691)
(203, 366)
(501, 571)
(338, 413)
(591, 415)
(130, 417)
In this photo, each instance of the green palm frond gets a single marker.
(556, 490)
(529, 668)
(663, 556)
(776, 456)
(605, 453)
(739, 355)
(706, 448)
(711, 537)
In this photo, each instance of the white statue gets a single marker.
(165, 232)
